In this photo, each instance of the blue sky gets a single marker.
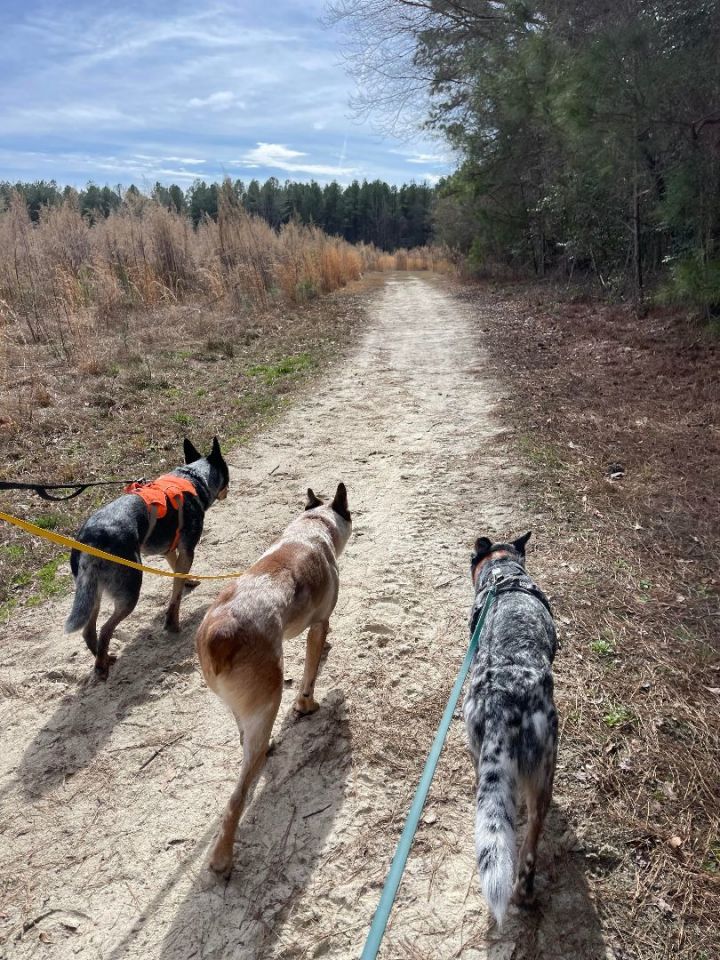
(140, 91)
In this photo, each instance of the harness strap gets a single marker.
(152, 518)
(176, 538)
(157, 494)
(503, 584)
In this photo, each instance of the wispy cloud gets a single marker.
(190, 161)
(131, 92)
(276, 156)
(221, 100)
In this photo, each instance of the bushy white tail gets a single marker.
(495, 823)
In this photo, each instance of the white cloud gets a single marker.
(270, 155)
(277, 156)
(434, 159)
(221, 100)
(187, 160)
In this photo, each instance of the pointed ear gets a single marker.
(482, 547)
(215, 455)
(340, 502)
(519, 544)
(312, 500)
(191, 453)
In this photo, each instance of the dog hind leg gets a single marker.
(538, 793)
(123, 608)
(255, 735)
(90, 628)
(305, 702)
(124, 587)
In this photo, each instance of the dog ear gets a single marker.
(340, 502)
(312, 500)
(519, 544)
(191, 453)
(482, 547)
(215, 456)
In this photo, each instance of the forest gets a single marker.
(369, 212)
(587, 138)
(589, 134)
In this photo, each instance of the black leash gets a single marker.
(41, 489)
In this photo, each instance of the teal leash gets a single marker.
(397, 867)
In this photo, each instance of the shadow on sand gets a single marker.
(564, 923)
(278, 844)
(86, 716)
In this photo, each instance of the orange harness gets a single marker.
(157, 493)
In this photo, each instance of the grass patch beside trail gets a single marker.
(184, 370)
(631, 565)
(285, 367)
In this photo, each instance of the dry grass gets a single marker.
(119, 337)
(632, 565)
(120, 406)
(63, 276)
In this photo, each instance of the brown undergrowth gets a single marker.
(120, 407)
(632, 566)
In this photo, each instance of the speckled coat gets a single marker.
(510, 717)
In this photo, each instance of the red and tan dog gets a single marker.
(294, 585)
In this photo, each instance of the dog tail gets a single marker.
(86, 590)
(495, 818)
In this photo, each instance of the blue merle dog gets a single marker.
(510, 718)
(128, 528)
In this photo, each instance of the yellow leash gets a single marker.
(94, 552)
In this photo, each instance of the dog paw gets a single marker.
(221, 863)
(526, 899)
(102, 668)
(305, 705)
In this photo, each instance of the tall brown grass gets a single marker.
(63, 273)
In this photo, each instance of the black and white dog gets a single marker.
(510, 718)
(164, 517)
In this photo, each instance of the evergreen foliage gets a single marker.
(589, 133)
(386, 216)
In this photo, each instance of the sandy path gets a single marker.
(110, 795)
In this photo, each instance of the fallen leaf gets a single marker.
(664, 906)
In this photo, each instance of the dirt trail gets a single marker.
(111, 794)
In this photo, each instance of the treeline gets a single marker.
(369, 212)
(590, 133)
